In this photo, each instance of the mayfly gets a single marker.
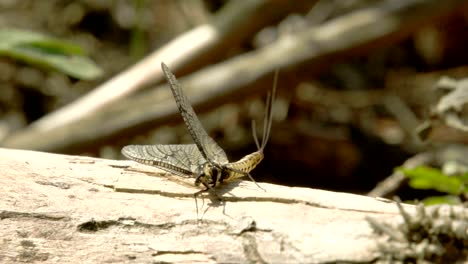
(205, 160)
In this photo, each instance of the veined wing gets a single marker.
(209, 149)
(183, 160)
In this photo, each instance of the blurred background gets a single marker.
(356, 92)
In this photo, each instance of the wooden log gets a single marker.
(72, 209)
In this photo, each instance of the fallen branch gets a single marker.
(237, 21)
(377, 26)
(73, 209)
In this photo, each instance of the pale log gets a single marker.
(73, 209)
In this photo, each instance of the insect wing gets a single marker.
(183, 160)
(210, 150)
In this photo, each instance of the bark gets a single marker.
(71, 209)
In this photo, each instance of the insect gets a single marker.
(205, 160)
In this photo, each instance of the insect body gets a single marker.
(205, 160)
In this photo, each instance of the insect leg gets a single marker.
(248, 175)
(195, 196)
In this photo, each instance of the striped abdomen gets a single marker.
(243, 166)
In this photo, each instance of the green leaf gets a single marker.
(46, 52)
(448, 199)
(429, 178)
(464, 178)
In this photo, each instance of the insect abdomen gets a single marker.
(246, 164)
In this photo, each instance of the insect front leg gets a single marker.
(202, 179)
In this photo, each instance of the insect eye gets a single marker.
(214, 172)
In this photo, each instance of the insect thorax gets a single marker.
(211, 175)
